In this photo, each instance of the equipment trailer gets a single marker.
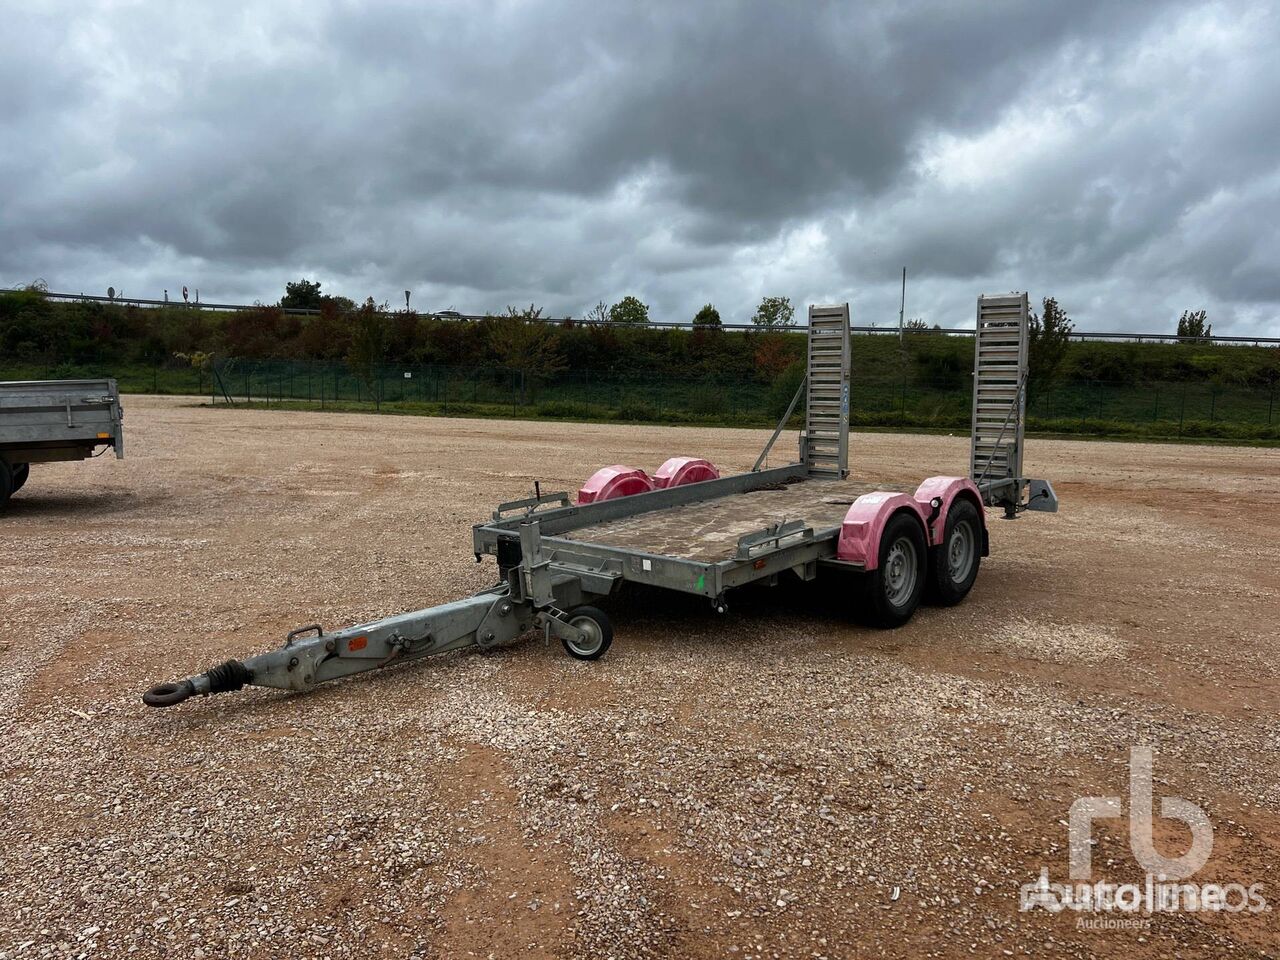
(690, 530)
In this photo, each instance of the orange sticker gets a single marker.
(357, 643)
(104, 436)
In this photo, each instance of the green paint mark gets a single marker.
(702, 582)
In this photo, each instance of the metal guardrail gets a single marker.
(1080, 335)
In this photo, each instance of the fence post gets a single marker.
(1213, 403)
(1271, 402)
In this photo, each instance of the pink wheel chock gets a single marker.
(678, 471)
(615, 481)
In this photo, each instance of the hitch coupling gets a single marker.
(224, 678)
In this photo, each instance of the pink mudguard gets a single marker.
(947, 489)
(616, 481)
(865, 522)
(678, 471)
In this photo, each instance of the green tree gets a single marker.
(708, 316)
(302, 295)
(629, 310)
(370, 335)
(597, 314)
(774, 313)
(1192, 327)
(305, 295)
(522, 343)
(29, 324)
(916, 323)
(1049, 336)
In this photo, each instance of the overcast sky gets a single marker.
(1123, 157)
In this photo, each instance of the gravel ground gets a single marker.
(777, 782)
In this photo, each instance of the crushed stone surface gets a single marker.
(774, 782)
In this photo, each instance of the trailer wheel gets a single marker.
(953, 564)
(595, 624)
(6, 483)
(20, 473)
(893, 590)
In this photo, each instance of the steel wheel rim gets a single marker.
(595, 636)
(961, 550)
(900, 571)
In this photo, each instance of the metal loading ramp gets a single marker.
(826, 428)
(999, 396)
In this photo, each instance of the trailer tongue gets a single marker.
(693, 531)
(311, 656)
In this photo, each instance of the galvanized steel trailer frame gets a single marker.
(45, 421)
(526, 535)
(546, 576)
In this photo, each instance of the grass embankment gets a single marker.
(1155, 432)
(1222, 393)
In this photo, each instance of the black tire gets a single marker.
(953, 564)
(891, 592)
(596, 623)
(20, 473)
(6, 483)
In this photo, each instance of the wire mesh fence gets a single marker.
(880, 396)
(572, 393)
(885, 398)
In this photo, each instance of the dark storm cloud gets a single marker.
(1120, 156)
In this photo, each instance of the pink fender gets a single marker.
(865, 522)
(946, 489)
(616, 481)
(678, 471)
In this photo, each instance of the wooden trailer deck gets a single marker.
(708, 530)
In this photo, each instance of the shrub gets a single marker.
(784, 387)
